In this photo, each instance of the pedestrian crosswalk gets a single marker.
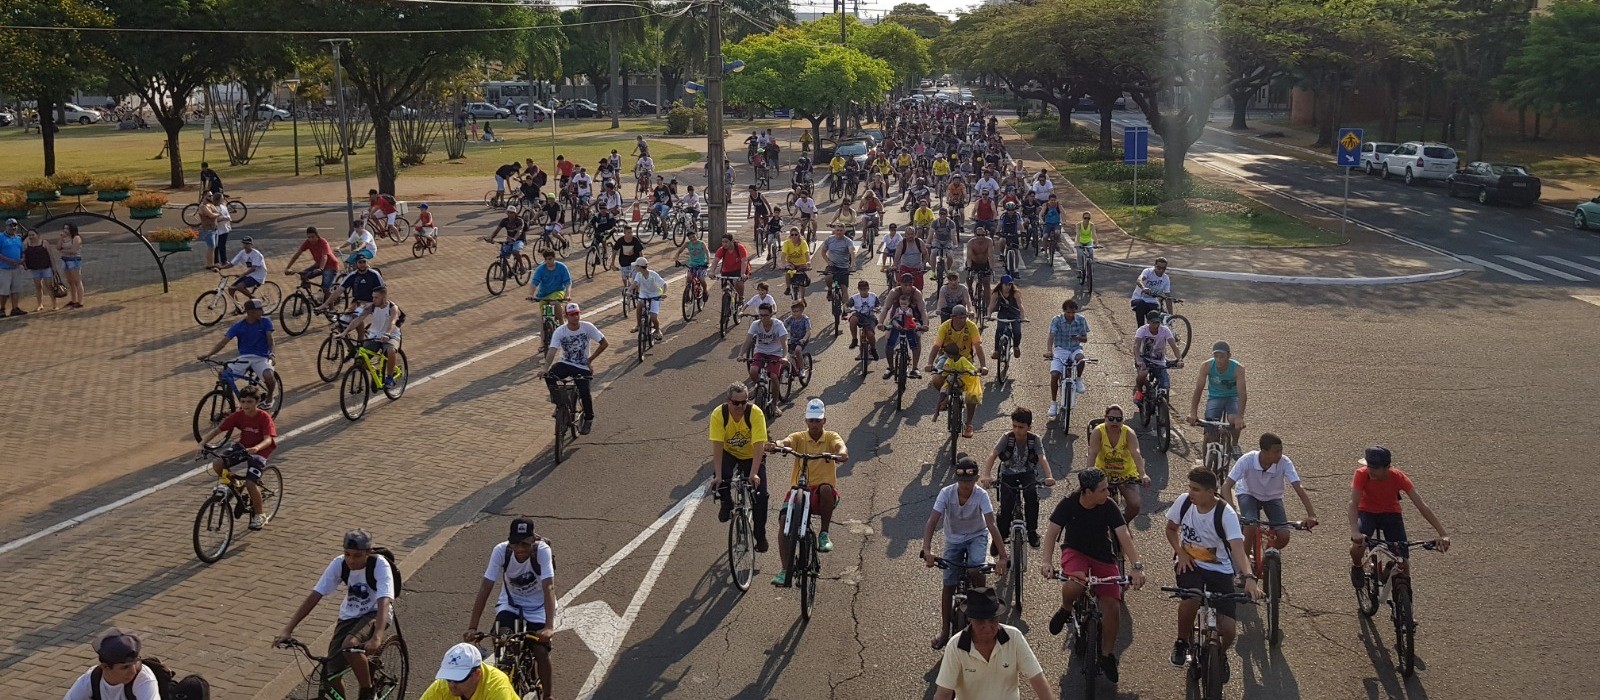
(1542, 268)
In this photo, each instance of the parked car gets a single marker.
(81, 115)
(1587, 214)
(484, 110)
(577, 109)
(7, 118)
(873, 136)
(641, 106)
(540, 113)
(266, 111)
(1418, 160)
(1373, 153)
(855, 148)
(1500, 182)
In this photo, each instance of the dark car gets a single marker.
(641, 106)
(577, 109)
(1501, 182)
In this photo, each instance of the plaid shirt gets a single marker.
(1064, 334)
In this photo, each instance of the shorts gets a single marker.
(499, 184)
(510, 620)
(255, 363)
(350, 259)
(44, 274)
(864, 321)
(1052, 229)
(976, 271)
(245, 465)
(71, 262)
(1390, 527)
(1214, 582)
(651, 305)
(1076, 562)
(771, 365)
(797, 345)
(972, 386)
(510, 248)
(804, 216)
(915, 272)
(1060, 358)
(356, 629)
(1160, 373)
(329, 274)
(390, 217)
(376, 345)
(247, 282)
(973, 551)
(1216, 408)
(1251, 507)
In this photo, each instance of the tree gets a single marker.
(43, 65)
(617, 21)
(919, 18)
(787, 69)
(1481, 36)
(899, 47)
(984, 40)
(1556, 68)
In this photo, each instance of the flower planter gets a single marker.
(42, 196)
(112, 195)
(173, 246)
(154, 213)
(74, 190)
(13, 214)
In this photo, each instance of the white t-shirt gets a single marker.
(989, 185)
(520, 583)
(1198, 534)
(362, 240)
(1152, 347)
(769, 342)
(1042, 190)
(1157, 284)
(963, 522)
(574, 344)
(1249, 479)
(611, 200)
(806, 205)
(865, 305)
(650, 284)
(756, 301)
(583, 182)
(690, 201)
(254, 260)
(379, 318)
(891, 242)
(144, 687)
(359, 598)
(644, 165)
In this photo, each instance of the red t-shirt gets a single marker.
(383, 203)
(985, 209)
(1380, 495)
(732, 264)
(253, 430)
(321, 252)
(565, 168)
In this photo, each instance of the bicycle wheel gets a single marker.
(213, 529)
(1272, 580)
(418, 248)
(741, 549)
(1019, 565)
(295, 314)
(803, 554)
(216, 405)
(643, 330)
(237, 210)
(391, 668)
(402, 229)
(1405, 629)
(271, 491)
(1088, 276)
(1180, 328)
(1212, 661)
(210, 307)
(354, 391)
(688, 303)
(562, 420)
(1367, 596)
(1002, 348)
(838, 309)
(1090, 641)
(191, 215)
(591, 262)
(330, 357)
(953, 422)
(522, 269)
(271, 295)
(1163, 420)
(725, 322)
(494, 279)
(397, 385)
(901, 374)
(491, 199)
(804, 379)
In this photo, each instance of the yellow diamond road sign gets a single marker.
(1351, 142)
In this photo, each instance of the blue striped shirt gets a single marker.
(1064, 334)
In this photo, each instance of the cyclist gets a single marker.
(1051, 218)
(962, 346)
(258, 437)
(463, 674)
(1010, 234)
(844, 213)
(1042, 188)
(921, 199)
(365, 615)
(119, 672)
(807, 207)
(980, 262)
(1118, 455)
(210, 181)
(383, 207)
(1205, 536)
(516, 234)
(583, 186)
(357, 286)
(955, 196)
(1006, 301)
(359, 244)
(864, 306)
(323, 261)
(1153, 282)
(911, 256)
(733, 261)
(1375, 508)
(989, 659)
(425, 227)
(504, 174)
(987, 187)
(968, 518)
(799, 335)
(984, 213)
(383, 329)
(738, 441)
(254, 336)
(902, 313)
(890, 244)
(763, 295)
(840, 255)
(1023, 464)
(572, 339)
(1089, 522)
(689, 204)
(944, 238)
(1222, 378)
(660, 203)
(952, 294)
(552, 281)
(255, 270)
(1258, 478)
(836, 168)
(523, 566)
(1068, 332)
(1086, 234)
(651, 289)
(699, 259)
(1150, 345)
(941, 175)
(758, 207)
(764, 349)
(626, 249)
(821, 476)
(610, 201)
(871, 211)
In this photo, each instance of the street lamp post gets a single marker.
(294, 117)
(715, 148)
(344, 136)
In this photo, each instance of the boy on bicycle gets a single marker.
(961, 345)
(258, 437)
(254, 334)
(1023, 464)
(1375, 508)
(364, 617)
(968, 518)
(822, 476)
(799, 334)
(1258, 479)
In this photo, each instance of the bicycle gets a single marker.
(379, 227)
(789, 379)
(730, 316)
(1177, 324)
(956, 401)
(517, 266)
(647, 337)
(980, 300)
(837, 295)
(694, 293)
(741, 533)
(548, 322)
(1203, 678)
(1002, 346)
(1084, 626)
(596, 256)
(958, 600)
(296, 311)
(213, 304)
(335, 349)
(869, 231)
(229, 501)
(683, 221)
(1069, 398)
(901, 362)
(366, 372)
(425, 244)
(511, 653)
(1222, 451)
(761, 393)
(1382, 582)
(798, 282)
(1013, 254)
(805, 567)
(223, 399)
(389, 671)
(566, 415)
(1010, 590)
(1156, 406)
(1086, 268)
(1269, 569)
(236, 211)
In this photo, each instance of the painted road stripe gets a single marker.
(1595, 258)
(1499, 268)
(1573, 265)
(1588, 298)
(1541, 268)
(1503, 238)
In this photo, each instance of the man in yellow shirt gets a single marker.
(941, 175)
(1114, 449)
(738, 439)
(796, 256)
(463, 674)
(836, 166)
(822, 476)
(922, 217)
(958, 340)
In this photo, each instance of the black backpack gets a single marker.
(192, 687)
(1216, 517)
(372, 570)
(1006, 453)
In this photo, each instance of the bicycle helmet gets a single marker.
(1011, 206)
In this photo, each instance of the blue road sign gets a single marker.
(1136, 145)
(1349, 148)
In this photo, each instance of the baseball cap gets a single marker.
(423, 205)
(966, 469)
(117, 647)
(641, 262)
(255, 304)
(1221, 346)
(11, 222)
(459, 662)
(1007, 279)
(1377, 457)
(247, 239)
(574, 309)
(521, 530)
(982, 606)
(357, 539)
(815, 409)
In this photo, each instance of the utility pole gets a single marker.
(715, 149)
(844, 39)
(344, 136)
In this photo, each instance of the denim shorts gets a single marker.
(973, 551)
(1251, 507)
(1216, 408)
(71, 262)
(44, 274)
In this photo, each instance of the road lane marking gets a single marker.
(1499, 268)
(1503, 238)
(1588, 298)
(1536, 266)
(1573, 265)
(1595, 258)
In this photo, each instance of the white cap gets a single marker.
(641, 262)
(814, 409)
(459, 662)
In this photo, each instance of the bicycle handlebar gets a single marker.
(1095, 580)
(1207, 596)
(780, 449)
(1291, 524)
(944, 563)
(293, 643)
(1374, 543)
(997, 319)
(1218, 424)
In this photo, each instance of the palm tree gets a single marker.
(740, 18)
(624, 20)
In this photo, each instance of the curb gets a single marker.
(1301, 279)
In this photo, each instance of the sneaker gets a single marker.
(18, 312)
(781, 579)
(266, 406)
(1358, 578)
(586, 425)
(853, 344)
(658, 335)
(1059, 620)
(368, 694)
(1108, 666)
(1033, 540)
(725, 512)
(888, 373)
(388, 382)
(761, 542)
(1078, 385)
(257, 522)
(1180, 653)
(915, 374)
(1017, 352)
(1055, 410)
(775, 413)
(824, 543)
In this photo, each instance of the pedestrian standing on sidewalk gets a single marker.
(11, 269)
(69, 246)
(36, 258)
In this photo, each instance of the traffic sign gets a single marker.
(1349, 148)
(1136, 145)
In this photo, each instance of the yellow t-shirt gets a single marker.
(922, 217)
(836, 165)
(818, 471)
(964, 338)
(883, 166)
(494, 686)
(941, 167)
(1115, 460)
(905, 160)
(740, 436)
(795, 252)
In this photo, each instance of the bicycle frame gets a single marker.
(329, 689)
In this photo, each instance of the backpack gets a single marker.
(533, 561)
(192, 687)
(372, 569)
(1006, 452)
(1216, 516)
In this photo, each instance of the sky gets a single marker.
(949, 7)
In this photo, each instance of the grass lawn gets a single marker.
(101, 149)
(1263, 226)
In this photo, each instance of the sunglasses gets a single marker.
(1113, 419)
(738, 402)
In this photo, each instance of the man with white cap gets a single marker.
(463, 674)
(651, 289)
(822, 476)
(120, 674)
(572, 340)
